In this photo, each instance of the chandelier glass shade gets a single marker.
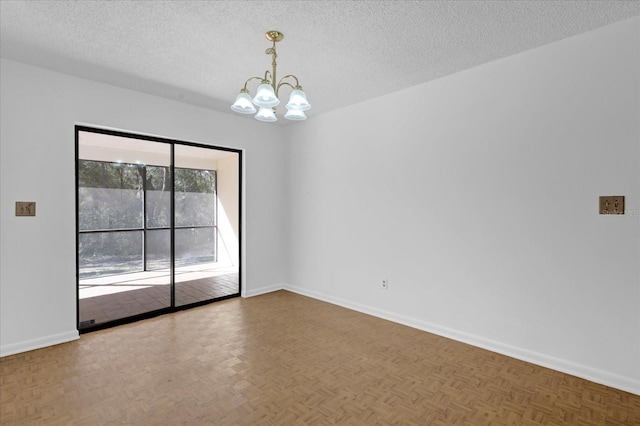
(266, 98)
(266, 114)
(293, 114)
(243, 103)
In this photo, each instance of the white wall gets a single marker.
(38, 111)
(476, 195)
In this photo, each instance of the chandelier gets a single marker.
(267, 94)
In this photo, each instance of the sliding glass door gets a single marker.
(206, 265)
(158, 226)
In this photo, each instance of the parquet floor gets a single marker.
(284, 359)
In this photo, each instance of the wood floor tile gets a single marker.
(284, 359)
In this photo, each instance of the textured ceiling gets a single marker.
(343, 52)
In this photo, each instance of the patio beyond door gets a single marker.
(158, 226)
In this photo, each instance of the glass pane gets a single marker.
(158, 197)
(113, 173)
(207, 188)
(195, 198)
(195, 245)
(195, 180)
(109, 253)
(158, 249)
(109, 195)
(195, 209)
(196, 271)
(105, 208)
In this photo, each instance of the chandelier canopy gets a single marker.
(266, 98)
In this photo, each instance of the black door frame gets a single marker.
(172, 308)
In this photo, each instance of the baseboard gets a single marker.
(262, 290)
(594, 375)
(41, 342)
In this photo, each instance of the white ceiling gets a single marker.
(343, 52)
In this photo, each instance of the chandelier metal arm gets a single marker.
(283, 84)
(244, 89)
(286, 83)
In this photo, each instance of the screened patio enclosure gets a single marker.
(157, 226)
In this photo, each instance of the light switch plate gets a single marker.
(25, 208)
(612, 204)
